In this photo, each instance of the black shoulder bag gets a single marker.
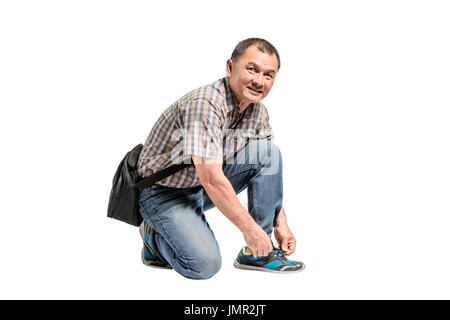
(124, 198)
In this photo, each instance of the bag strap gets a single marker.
(164, 173)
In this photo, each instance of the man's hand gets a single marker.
(258, 241)
(283, 234)
(285, 239)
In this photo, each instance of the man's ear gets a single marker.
(229, 67)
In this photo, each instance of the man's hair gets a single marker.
(263, 46)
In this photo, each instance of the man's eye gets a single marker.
(251, 69)
(269, 75)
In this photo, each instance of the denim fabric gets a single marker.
(180, 234)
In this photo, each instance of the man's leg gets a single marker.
(180, 234)
(259, 168)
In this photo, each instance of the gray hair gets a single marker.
(263, 46)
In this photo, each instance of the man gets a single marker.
(224, 128)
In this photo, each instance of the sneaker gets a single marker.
(275, 262)
(147, 255)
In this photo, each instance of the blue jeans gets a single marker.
(180, 234)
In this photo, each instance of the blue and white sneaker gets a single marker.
(275, 262)
(147, 255)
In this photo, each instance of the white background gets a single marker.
(360, 110)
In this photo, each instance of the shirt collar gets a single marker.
(231, 100)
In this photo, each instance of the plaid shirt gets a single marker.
(200, 123)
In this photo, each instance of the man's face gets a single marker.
(252, 77)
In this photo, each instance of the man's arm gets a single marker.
(283, 234)
(222, 194)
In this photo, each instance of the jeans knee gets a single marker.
(205, 268)
(268, 156)
(211, 268)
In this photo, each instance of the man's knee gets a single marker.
(205, 267)
(266, 155)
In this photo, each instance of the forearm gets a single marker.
(281, 221)
(222, 194)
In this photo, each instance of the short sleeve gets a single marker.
(201, 125)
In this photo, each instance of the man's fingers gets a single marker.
(262, 249)
(284, 245)
(290, 247)
(260, 253)
(292, 244)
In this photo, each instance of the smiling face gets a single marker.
(251, 77)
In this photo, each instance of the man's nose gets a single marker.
(258, 80)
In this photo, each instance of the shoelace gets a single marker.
(278, 253)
